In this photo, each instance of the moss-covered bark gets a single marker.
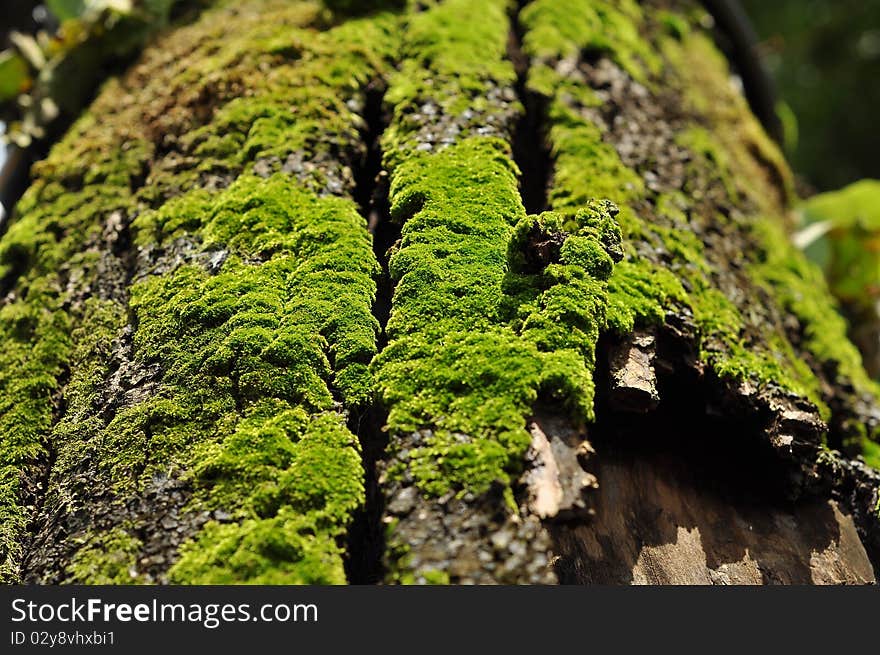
(189, 342)
(194, 412)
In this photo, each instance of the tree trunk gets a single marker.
(458, 292)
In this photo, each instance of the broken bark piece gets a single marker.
(633, 378)
(558, 485)
(792, 425)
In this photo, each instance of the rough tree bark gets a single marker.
(454, 292)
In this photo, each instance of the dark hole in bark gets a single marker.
(542, 248)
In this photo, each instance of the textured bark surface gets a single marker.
(655, 524)
(454, 291)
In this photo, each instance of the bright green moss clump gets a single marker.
(585, 167)
(564, 30)
(110, 560)
(312, 294)
(291, 328)
(871, 453)
(477, 333)
(638, 295)
(296, 479)
(289, 548)
(262, 356)
(480, 326)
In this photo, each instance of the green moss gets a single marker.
(296, 479)
(641, 292)
(871, 453)
(435, 577)
(317, 280)
(261, 356)
(265, 350)
(36, 323)
(675, 25)
(737, 137)
(474, 335)
(289, 548)
(110, 560)
(360, 6)
(258, 356)
(710, 157)
(453, 55)
(279, 456)
(800, 288)
(564, 30)
(273, 341)
(585, 167)
(479, 329)
(545, 81)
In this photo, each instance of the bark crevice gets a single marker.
(531, 151)
(366, 536)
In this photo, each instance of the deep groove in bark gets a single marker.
(366, 536)
(530, 149)
(364, 562)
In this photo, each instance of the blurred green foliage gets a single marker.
(850, 250)
(825, 57)
(842, 234)
(45, 75)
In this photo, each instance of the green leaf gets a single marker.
(14, 75)
(66, 9)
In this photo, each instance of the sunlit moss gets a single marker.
(282, 323)
(111, 559)
(564, 30)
